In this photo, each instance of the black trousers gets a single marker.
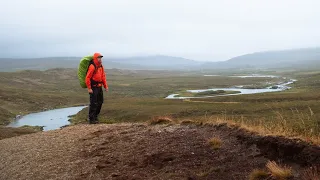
(96, 101)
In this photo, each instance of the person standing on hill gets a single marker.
(95, 79)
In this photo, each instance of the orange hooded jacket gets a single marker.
(98, 76)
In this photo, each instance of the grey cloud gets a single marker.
(203, 30)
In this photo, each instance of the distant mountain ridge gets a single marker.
(283, 56)
(158, 62)
(271, 59)
(295, 58)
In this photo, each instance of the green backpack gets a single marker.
(83, 69)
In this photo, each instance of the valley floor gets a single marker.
(142, 151)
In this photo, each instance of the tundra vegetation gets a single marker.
(138, 96)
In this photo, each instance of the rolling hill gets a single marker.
(294, 58)
(143, 62)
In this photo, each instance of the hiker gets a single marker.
(95, 79)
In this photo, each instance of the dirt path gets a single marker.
(130, 151)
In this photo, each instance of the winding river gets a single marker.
(280, 87)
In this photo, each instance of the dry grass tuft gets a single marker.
(209, 171)
(258, 174)
(216, 143)
(312, 173)
(161, 120)
(187, 122)
(279, 172)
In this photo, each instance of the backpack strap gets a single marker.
(93, 82)
(102, 68)
(95, 69)
(91, 62)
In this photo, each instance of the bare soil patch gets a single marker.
(140, 151)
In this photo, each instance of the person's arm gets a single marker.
(89, 76)
(104, 80)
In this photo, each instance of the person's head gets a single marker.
(97, 58)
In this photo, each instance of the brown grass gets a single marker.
(187, 122)
(258, 174)
(312, 173)
(216, 143)
(161, 120)
(265, 129)
(279, 172)
(209, 171)
(8, 132)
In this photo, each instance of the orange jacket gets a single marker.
(97, 74)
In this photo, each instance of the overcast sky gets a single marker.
(211, 30)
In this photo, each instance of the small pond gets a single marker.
(50, 120)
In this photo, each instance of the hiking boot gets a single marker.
(92, 122)
(96, 120)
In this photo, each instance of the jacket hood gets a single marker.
(95, 59)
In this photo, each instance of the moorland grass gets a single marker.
(138, 96)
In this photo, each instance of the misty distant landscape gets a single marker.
(295, 58)
(197, 90)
